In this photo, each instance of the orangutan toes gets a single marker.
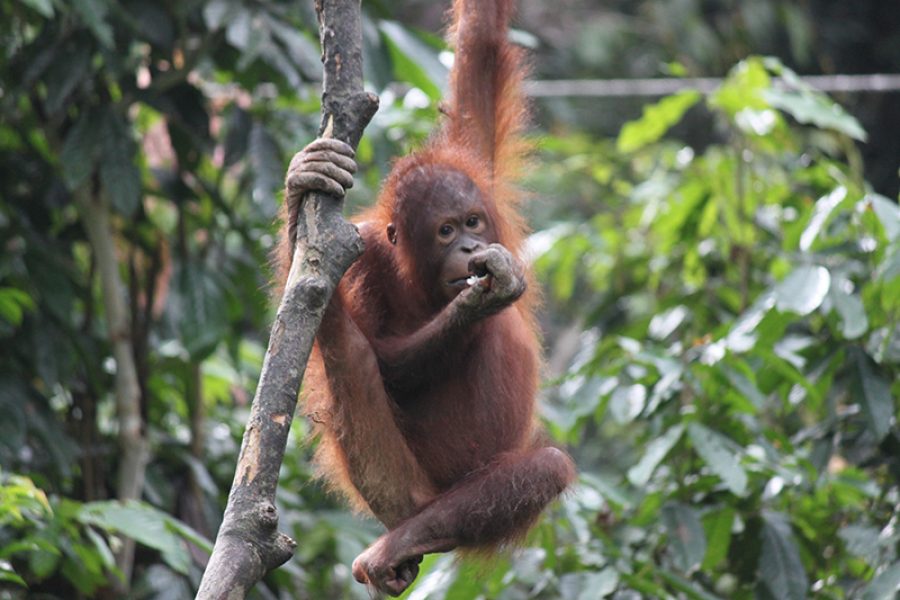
(373, 569)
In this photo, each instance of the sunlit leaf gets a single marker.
(742, 88)
(656, 451)
(414, 61)
(720, 456)
(627, 402)
(823, 209)
(587, 585)
(888, 213)
(852, 311)
(803, 290)
(885, 586)
(816, 109)
(656, 121)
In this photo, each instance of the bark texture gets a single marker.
(248, 544)
(95, 218)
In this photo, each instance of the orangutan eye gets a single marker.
(473, 221)
(445, 230)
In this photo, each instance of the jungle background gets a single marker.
(721, 274)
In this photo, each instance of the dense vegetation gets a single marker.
(722, 312)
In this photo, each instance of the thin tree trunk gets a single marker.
(95, 219)
(248, 544)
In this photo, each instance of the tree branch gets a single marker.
(248, 544)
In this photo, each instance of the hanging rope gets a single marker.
(617, 88)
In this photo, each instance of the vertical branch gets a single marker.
(95, 219)
(248, 544)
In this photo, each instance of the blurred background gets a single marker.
(720, 265)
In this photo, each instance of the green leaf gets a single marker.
(13, 304)
(656, 120)
(656, 451)
(9, 576)
(70, 68)
(687, 540)
(873, 391)
(780, 568)
(43, 562)
(817, 109)
(822, 211)
(144, 524)
(200, 307)
(888, 213)
(803, 290)
(414, 61)
(854, 322)
(717, 524)
(885, 586)
(586, 585)
(719, 454)
(627, 402)
(44, 7)
(93, 13)
(746, 388)
(81, 149)
(119, 174)
(742, 88)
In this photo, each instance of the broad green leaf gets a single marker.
(656, 451)
(780, 568)
(742, 88)
(118, 172)
(687, 540)
(717, 524)
(70, 68)
(627, 402)
(656, 121)
(145, 524)
(885, 586)
(81, 149)
(816, 109)
(43, 562)
(414, 60)
(200, 308)
(854, 321)
(586, 585)
(863, 541)
(720, 456)
(888, 213)
(873, 392)
(803, 290)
